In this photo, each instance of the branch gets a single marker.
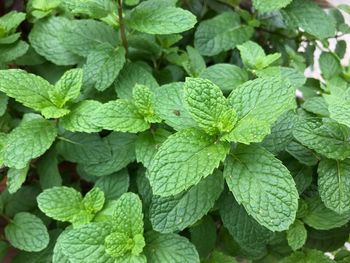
(122, 26)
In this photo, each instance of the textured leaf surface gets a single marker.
(45, 39)
(322, 218)
(169, 248)
(339, 107)
(122, 115)
(214, 35)
(114, 185)
(327, 138)
(247, 232)
(226, 76)
(28, 141)
(258, 104)
(183, 160)
(308, 255)
(83, 36)
(270, 5)
(296, 235)
(15, 178)
(103, 65)
(175, 213)
(83, 117)
(11, 52)
(208, 106)
(27, 232)
(263, 186)
(334, 184)
(170, 106)
(61, 203)
(155, 17)
(310, 17)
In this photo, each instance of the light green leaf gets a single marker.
(196, 155)
(334, 184)
(328, 138)
(15, 178)
(214, 36)
(67, 88)
(258, 104)
(61, 203)
(316, 105)
(94, 200)
(87, 243)
(45, 38)
(248, 233)
(157, 17)
(329, 65)
(226, 76)
(270, 5)
(114, 185)
(252, 174)
(129, 76)
(303, 154)
(307, 255)
(26, 88)
(322, 218)
(83, 117)
(84, 35)
(10, 21)
(91, 8)
(175, 213)
(122, 115)
(170, 106)
(169, 248)
(195, 63)
(296, 235)
(145, 103)
(147, 145)
(103, 65)
(28, 141)
(208, 106)
(308, 16)
(27, 232)
(339, 107)
(3, 103)
(254, 57)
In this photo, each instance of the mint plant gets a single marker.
(174, 131)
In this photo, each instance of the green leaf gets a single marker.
(85, 35)
(170, 106)
(94, 200)
(122, 146)
(303, 154)
(10, 21)
(308, 16)
(61, 203)
(83, 117)
(327, 138)
(308, 255)
(13, 51)
(252, 174)
(47, 168)
(248, 233)
(175, 213)
(270, 5)
(3, 103)
(316, 105)
(156, 17)
(208, 106)
(103, 65)
(195, 63)
(129, 76)
(218, 256)
(83, 148)
(169, 248)
(258, 104)
(214, 36)
(122, 115)
(329, 65)
(15, 178)
(45, 38)
(296, 235)
(114, 185)
(145, 103)
(28, 141)
(196, 155)
(226, 76)
(339, 107)
(254, 57)
(67, 88)
(322, 218)
(147, 145)
(334, 184)
(26, 88)
(91, 8)
(27, 232)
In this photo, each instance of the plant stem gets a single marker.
(122, 26)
